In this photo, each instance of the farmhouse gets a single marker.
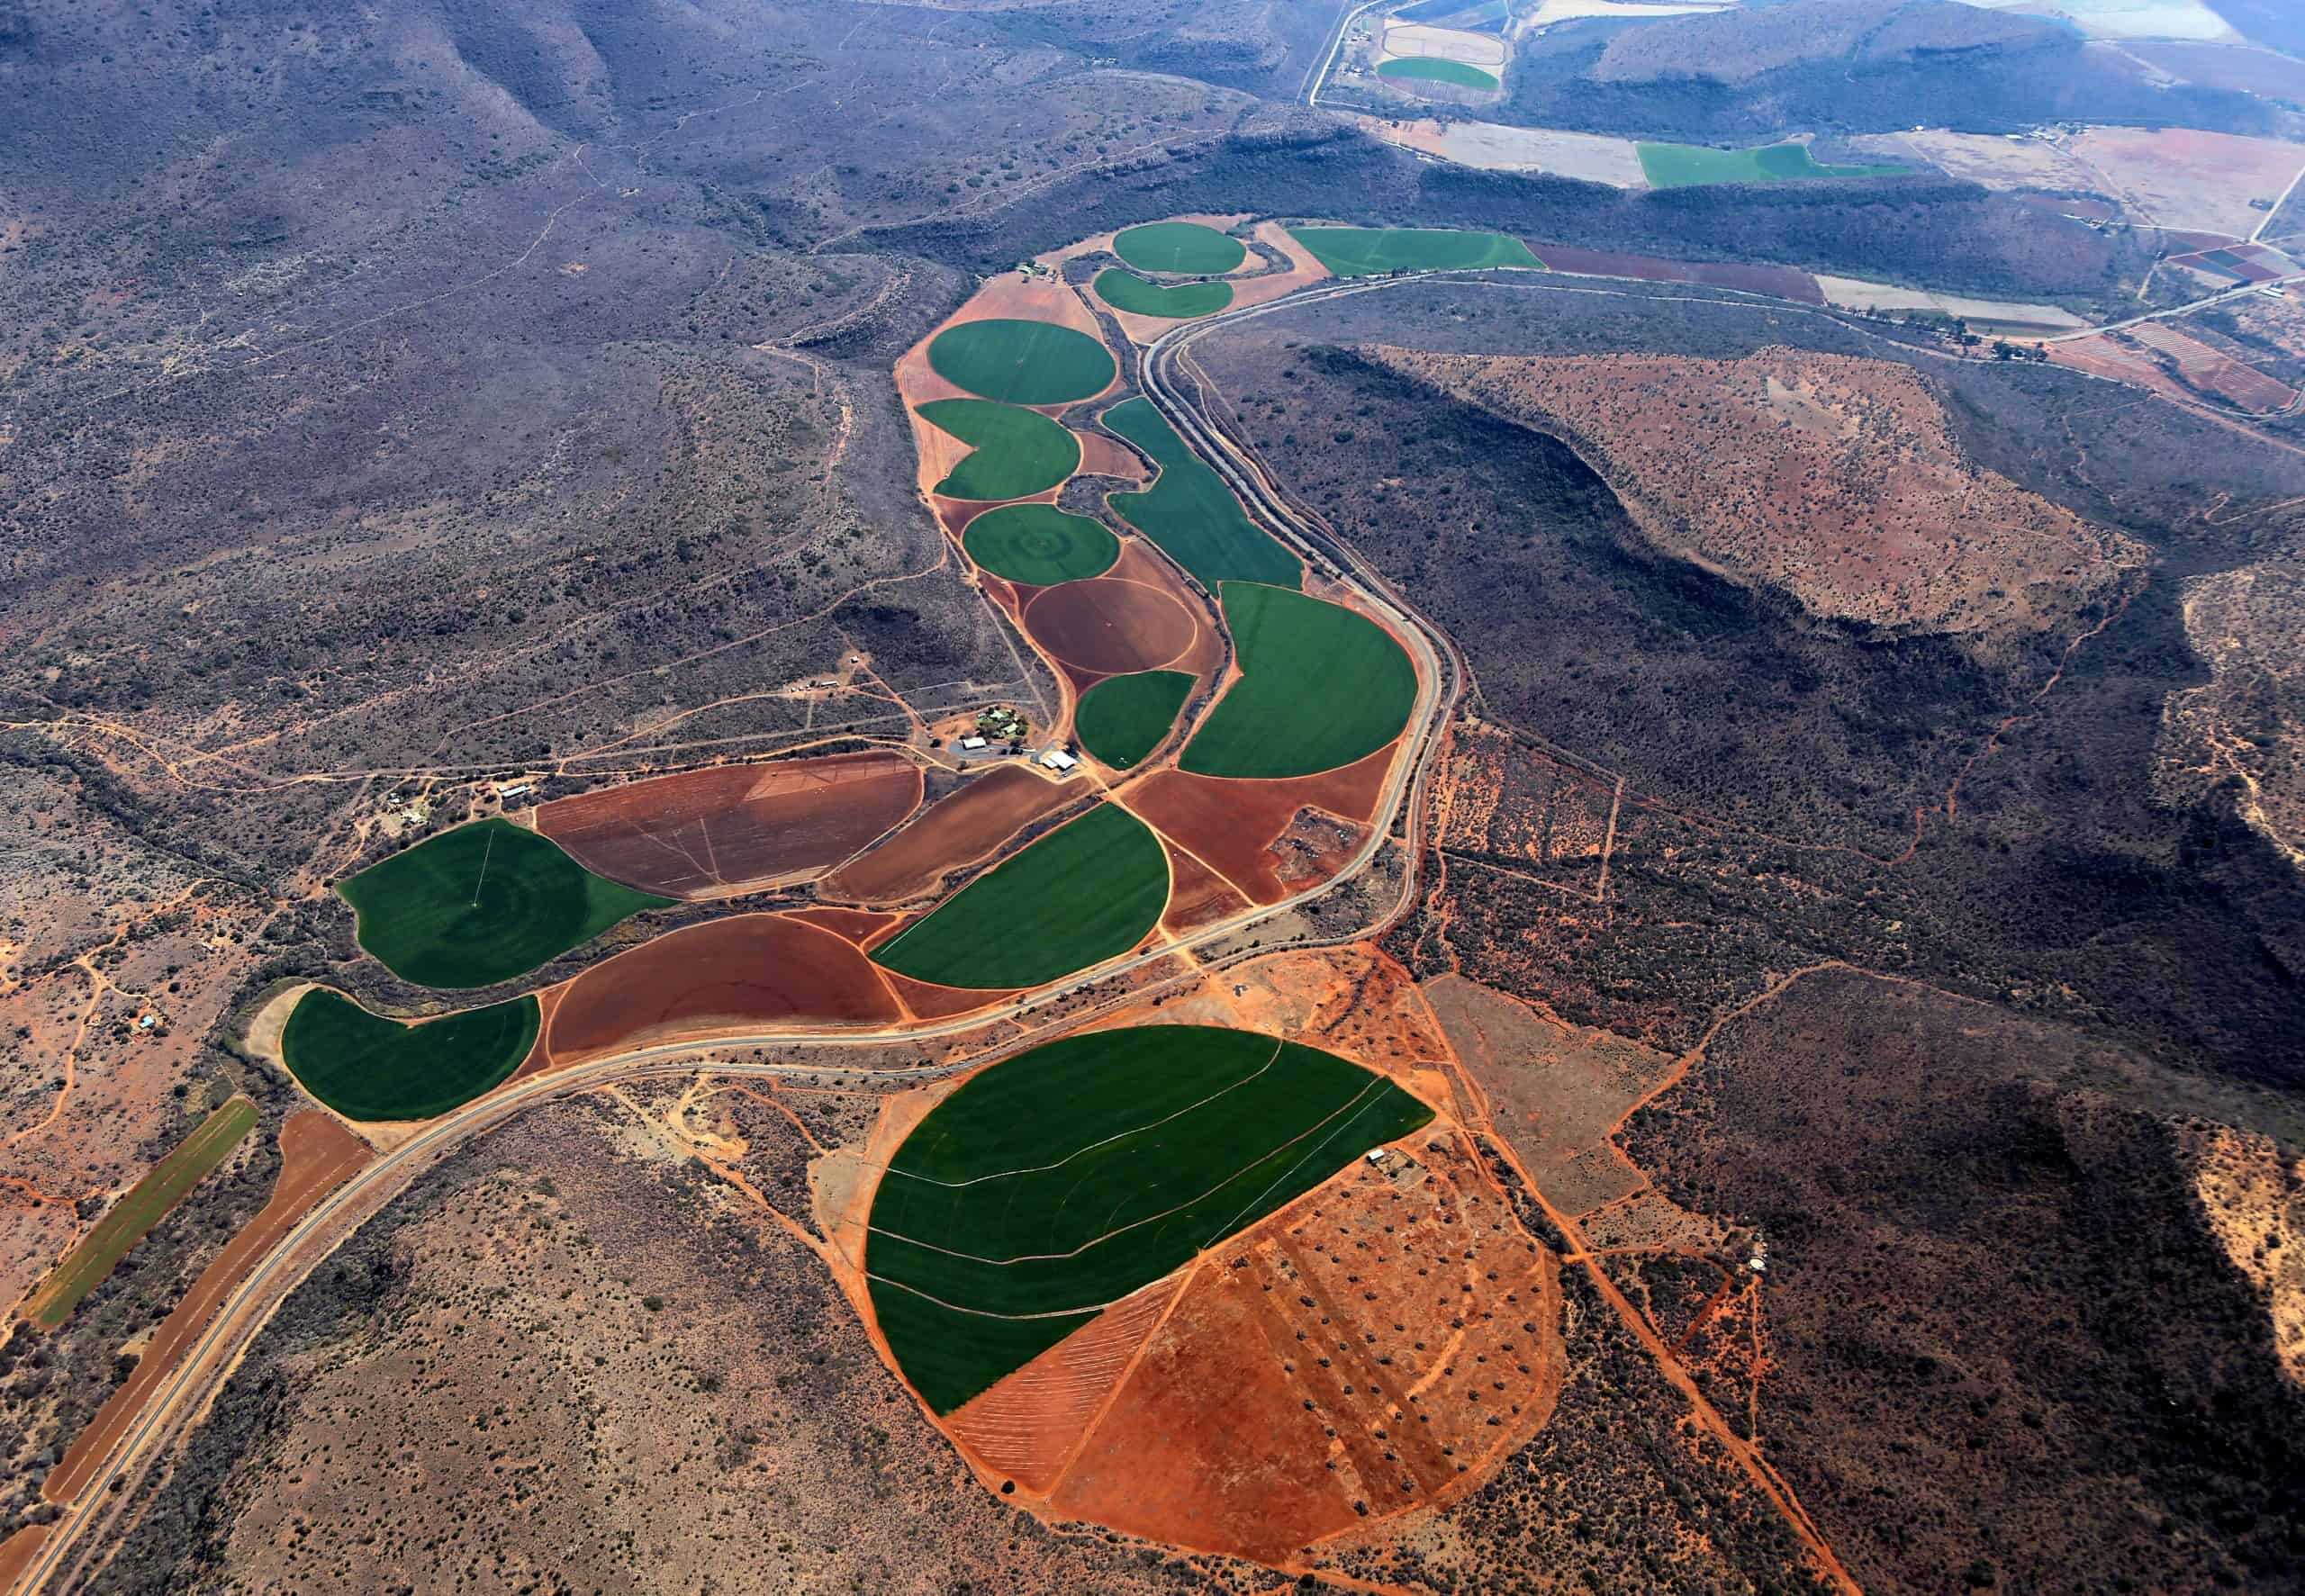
(1056, 759)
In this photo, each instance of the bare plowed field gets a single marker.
(928, 1002)
(1837, 480)
(714, 979)
(1379, 1346)
(954, 830)
(1110, 625)
(713, 832)
(1198, 895)
(1233, 825)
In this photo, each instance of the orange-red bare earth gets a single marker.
(955, 831)
(1110, 625)
(317, 1155)
(729, 828)
(1232, 823)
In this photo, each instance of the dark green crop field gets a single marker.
(1022, 362)
(1320, 687)
(1055, 1183)
(366, 1067)
(482, 903)
(1017, 451)
(1681, 165)
(1182, 247)
(1434, 70)
(1086, 892)
(1188, 511)
(1366, 251)
(1123, 718)
(1178, 301)
(131, 1219)
(1039, 544)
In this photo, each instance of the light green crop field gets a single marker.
(1368, 251)
(1123, 718)
(1039, 544)
(131, 1219)
(1434, 70)
(1683, 166)
(1022, 362)
(1178, 301)
(1017, 451)
(482, 903)
(1182, 247)
(366, 1067)
(1190, 512)
(1320, 687)
(1057, 1182)
(1086, 892)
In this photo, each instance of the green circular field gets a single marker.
(1123, 718)
(482, 903)
(1182, 247)
(366, 1067)
(1022, 362)
(1436, 69)
(1320, 687)
(1040, 543)
(1016, 451)
(1177, 302)
(1053, 1183)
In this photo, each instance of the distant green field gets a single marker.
(1367, 251)
(1320, 687)
(1039, 544)
(1123, 718)
(1022, 362)
(131, 1219)
(1434, 70)
(1086, 892)
(366, 1067)
(1017, 451)
(1058, 1181)
(1188, 511)
(1182, 247)
(1178, 301)
(1682, 166)
(482, 903)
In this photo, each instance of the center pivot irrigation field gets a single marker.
(1123, 718)
(1185, 247)
(482, 903)
(1436, 70)
(1063, 1179)
(1022, 362)
(1320, 687)
(1040, 545)
(1191, 513)
(1370, 251)
(1087, 892)
(366, 1067)
(1178, 301)
(1681, 165)
(1015, 452)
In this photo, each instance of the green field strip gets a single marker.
(368, 1067)
(1185, 247)
(1436, 69)
(1177, 302)
(131, 1219)
(1191, 513)
(1022, 362)
(483, 904)
(1040, 545)
(1686, 165)
(1065, 1179)
(1369, 251)
(1123, 718)
(1015, 452)
(1086, 892)
(1320, 687)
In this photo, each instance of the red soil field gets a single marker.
(860, 926)
(722, 977)
(1361, 1349)
(1110, 625)
(317, 1155)
(1107, 456)
(1198, 895)
(928, 1002)
(954, 830)
(1232, 823)
(16, 1553)
(1781, 282)
(710, 833)
(1025, 1428)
